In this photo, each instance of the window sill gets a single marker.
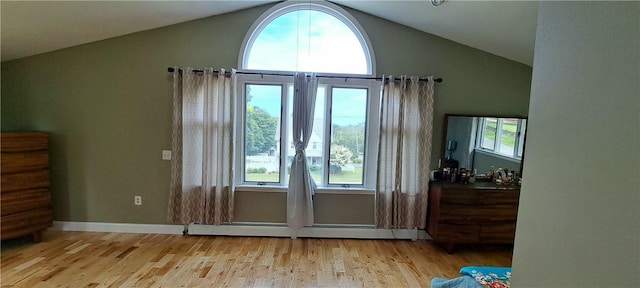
(340, 190)
(321, 190)
(501, 156)
(261, 188)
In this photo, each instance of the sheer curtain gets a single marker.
(201, 188)
(404, 153)
(301, 185)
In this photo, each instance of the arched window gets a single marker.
(307, 37)
(313, 37)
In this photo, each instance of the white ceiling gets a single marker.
(504, 28)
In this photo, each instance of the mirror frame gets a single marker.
(445, 128)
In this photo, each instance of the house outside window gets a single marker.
(307, 37)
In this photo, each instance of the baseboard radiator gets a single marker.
(248, 229)
(316, 231)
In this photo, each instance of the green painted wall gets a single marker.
(107, 107)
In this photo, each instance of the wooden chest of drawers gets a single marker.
(472, 213)
(24, 199)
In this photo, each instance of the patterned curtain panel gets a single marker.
(301, 185)
(404, 153)
(202, 144)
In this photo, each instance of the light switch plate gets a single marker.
(166, 154)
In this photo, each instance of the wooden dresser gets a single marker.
(472, 213)
(25, 201)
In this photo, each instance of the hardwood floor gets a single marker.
(83, 259)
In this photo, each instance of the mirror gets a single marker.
(480, 142)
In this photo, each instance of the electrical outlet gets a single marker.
(166, 154)
(137, 200)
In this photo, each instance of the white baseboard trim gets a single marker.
(118, 227)
(269, 230)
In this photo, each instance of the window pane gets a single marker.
(523, 130)
(489, 133)
(308, 40)
(509, 128)
(262, 133)
(315, 148)
(348, 120)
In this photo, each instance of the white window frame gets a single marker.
(240, 123)
(519, 141)
(266, 77)
(371, 127)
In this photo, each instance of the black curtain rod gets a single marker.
(171, 70)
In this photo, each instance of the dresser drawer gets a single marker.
(504, 233)
(457, 233)
(458, 214)
(18, 201)
(487, 215)
(458, 196)
(498, 197)
(24, 180)
(25, 222)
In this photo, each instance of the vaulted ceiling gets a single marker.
(504, 28)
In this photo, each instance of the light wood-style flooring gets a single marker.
(84, 259)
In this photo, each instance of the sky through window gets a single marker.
(307, 40)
